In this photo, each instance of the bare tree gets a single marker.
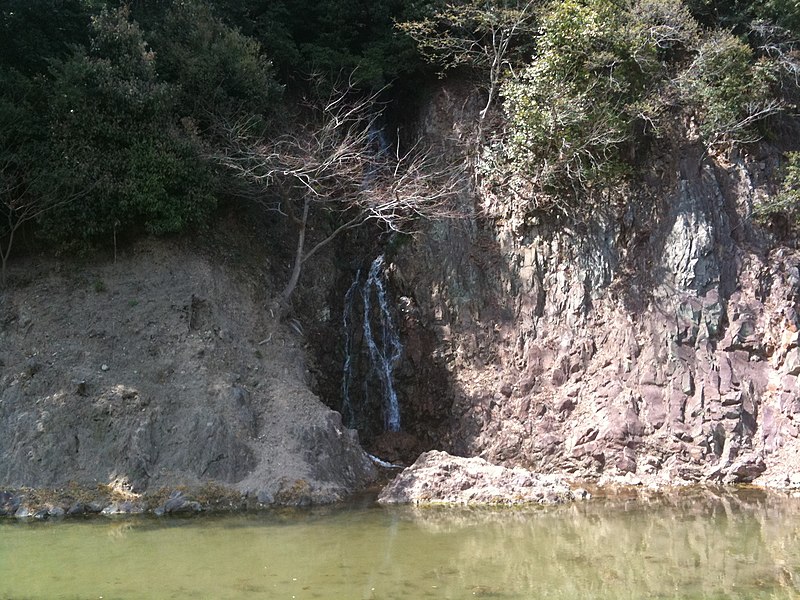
(336, 164)
(22, 203)
(16, 211)
(19, 204)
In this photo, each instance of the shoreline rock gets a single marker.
(84, 501)
(440, 478)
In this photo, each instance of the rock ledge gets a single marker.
(439, 478)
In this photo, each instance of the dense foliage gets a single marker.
(109, 111)
(785, 205)
(607, 76)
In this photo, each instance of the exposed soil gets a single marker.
(161, 368)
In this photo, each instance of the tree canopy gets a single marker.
(110, 112)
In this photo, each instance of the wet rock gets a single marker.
(440, 478)
(581, 494)
(296, 493)
(78, 508)
(265, 497)
(125, 507)
(23, 512)
(9, 503)
(179, 504)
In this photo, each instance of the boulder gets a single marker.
(178, 504)
(440, 478)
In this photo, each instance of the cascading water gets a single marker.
(348, 414)
(383, 347)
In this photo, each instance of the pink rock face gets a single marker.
(665, 324)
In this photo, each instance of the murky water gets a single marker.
(744, 545)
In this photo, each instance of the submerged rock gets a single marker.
(439, 478)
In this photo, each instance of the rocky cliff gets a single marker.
(654, 340)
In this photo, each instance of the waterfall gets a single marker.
(378, 144)
(348, 414)
(383, 346)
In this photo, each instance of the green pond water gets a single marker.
(696, 545)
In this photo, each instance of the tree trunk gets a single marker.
(287, 292)
(4, 254)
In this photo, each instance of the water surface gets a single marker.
(706, 545)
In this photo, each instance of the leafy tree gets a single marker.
(731, 91)
(112, 133)
(605, 72)
(784, 13)
(217, 70)
(786, 202)
(739, 14)
(34, 32)
(327, 38)
(571, 111)
(20, 136)
(485, 35)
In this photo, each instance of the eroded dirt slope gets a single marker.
(162, 368)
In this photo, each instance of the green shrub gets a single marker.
(786, 202)
(729, 89)
(606, 74)
(572, 110)
(113, 143)
(217, 70)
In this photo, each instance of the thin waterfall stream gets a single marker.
(383, 347)
(348, 414)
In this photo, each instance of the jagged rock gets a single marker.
(687, 306)
(745, 469)
(791, 363)
(439, 478)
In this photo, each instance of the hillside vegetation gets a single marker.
(116, 119)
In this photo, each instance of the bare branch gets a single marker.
(337, 163)
(22, 203)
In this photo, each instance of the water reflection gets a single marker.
(700, 544)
